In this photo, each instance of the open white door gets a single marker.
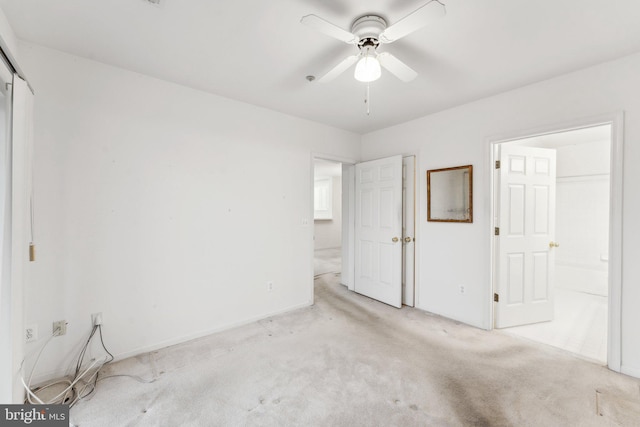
(378, 230)
(526, 227)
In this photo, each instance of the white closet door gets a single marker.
(378, 230)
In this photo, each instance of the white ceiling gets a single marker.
(257, 51)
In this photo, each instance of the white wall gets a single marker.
(328, 232)
(165, 208)
(458, 254)
(582, 217)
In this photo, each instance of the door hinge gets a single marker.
(496, 298)
(497, 164)
(496, 231)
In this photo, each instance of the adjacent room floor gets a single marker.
(579, 325)
(327, 261)
(352, 361)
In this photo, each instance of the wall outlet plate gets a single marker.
(31, 333)
(62, 325)
(269, 286)
(96, 319)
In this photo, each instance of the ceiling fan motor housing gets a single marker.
(368, 29)
(367, 32)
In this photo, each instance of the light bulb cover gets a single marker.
(368, 67)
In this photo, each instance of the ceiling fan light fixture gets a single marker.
(368, 67)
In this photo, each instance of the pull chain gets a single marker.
(367, 100)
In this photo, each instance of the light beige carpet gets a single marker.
(351, 361)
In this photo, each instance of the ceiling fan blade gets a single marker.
(414, 21)
(329, 29)
(397, 67)
(339, 69)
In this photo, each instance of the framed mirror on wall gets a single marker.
(450, 194)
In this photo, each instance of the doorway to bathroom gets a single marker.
(552, 204)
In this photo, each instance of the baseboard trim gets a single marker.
(204, 333)
(60, 373)
(450, 316)
(632, 372)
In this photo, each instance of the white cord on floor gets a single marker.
(69, 392)
(75, 381)
(21, 370)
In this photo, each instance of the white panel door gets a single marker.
(525, 247)
(378, 230)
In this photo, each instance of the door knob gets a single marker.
(395, 239)
(553, 244)
(407, 239)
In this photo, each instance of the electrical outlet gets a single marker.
(31, 333)
(59, 327)
(269, 286)
(462, 289)
(96, 319)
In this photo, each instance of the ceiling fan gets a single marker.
(367, 32)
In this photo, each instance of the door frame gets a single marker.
(616, 120)
(10, 305)
(418, 189)
(416, 185)
(346, 198)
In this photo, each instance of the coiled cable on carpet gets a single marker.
(83, 382)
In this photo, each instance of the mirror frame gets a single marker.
(469, 168)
